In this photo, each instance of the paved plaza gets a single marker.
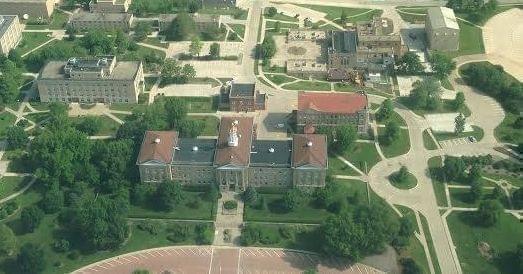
(205, 259)
(444, 122)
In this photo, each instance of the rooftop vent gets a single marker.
(157, 140)
(194, 148)
(309, 144)
(271, 150)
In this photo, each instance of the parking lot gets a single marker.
(455, 142)
(223, 260)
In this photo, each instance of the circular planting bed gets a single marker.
(230, 205)
(296, 51)
(407, 181)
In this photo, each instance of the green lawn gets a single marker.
(334, 12)
(414, 249)
(6, 120)
(274, 69)
(394, 117)
(337, 167)
(461, 197)
(279, 79)
(507, 132)
(149, 82)
(438, 186)
(58, 21)
(108, 125)
(210, 124)
(235, 12)
(398, 147)
(446, 84)
(409, 183)
(446, 106)
(281, 17)
(361, 153)
(411, 18)
(301, 237)
(483, 19)
(155, 42)
(11, 184)
(308, 85)
(430, 244)
(200, 104)
(239, 29)
(186, 210)
(409, 214)
(502, 238)
(477, 133)
(38, 117)
(31, 40)
(428, 142)
(470, 40)
(515, 181)
(346, 87)
(306, 212)
(128, 107)
(272, 24)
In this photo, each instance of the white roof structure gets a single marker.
(442, 17)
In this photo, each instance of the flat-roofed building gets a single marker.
(96, 20)
(35, 9)
(91, 80)
(332, 109)
(242, 97)
(110, 6)
(10, 33)
(442, 29)
(235, 160)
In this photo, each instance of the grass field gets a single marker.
(301, 237)
(200, 104)
(418, 17)
(283, 25)
(361, 153)
(280, 17)
(108, 125)
(438, 186)
(308, 85)
(461, 197)
(414, 249)
(345, 87)
(446, 106)
(6, 120)
(337, 167)
(470, 40)
(507, 132)
(430, 244)
(306, 212)
(502, 238)
(477, 133)
(155, 42)
(428, 142)
(334, 12)
(10, 185)
(31, 40)
(210, 124)
(58, 21)
(394, 117)
(239, 29)
(279, 79)
(409, 183)
(399, 146)
(515, 181)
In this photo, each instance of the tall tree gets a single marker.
(31, 217)
(392, 131)
(268, 47)
(489, 211)
(214, 51)
(16, 137)
(442, 65)
(410, 64)
(476, 191)
(459, 124)
(459, 101)
(31, 259)
(175, 110)
(385, 111)
(7, 240)
(168, 195)
(141, 30)
(195, 48)
(181, 28)
(346, 135)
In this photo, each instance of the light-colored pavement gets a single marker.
(211, 259)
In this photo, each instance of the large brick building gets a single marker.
(370, 47)
(235, 160)
(35, 9)
(331, 109)
(91, 80)
(10, 33)
(442, 29)
(242, 97)
(99, 20)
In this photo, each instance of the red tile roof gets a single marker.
(236, 155)
(346, 103)
(158, 146)
(309, 149)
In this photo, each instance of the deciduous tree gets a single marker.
(489, 211)
(31, 259)
(31, 217)
(7, 240)
(459, 124)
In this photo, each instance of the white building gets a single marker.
(442, 29)
(10, 33)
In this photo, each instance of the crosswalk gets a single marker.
(454, 142)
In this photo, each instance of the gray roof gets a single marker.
(99, 16)
(124, 70)
(262, 155)
(23, 1)
(185, 152)
(242, 89)
(344, 41)
(5, 22)
(442, 17)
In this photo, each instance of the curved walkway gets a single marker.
(212, 259)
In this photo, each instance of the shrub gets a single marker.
(178, 233)
(61, 245)
(230, 204)
(148, 226)
(287, 232)
(74, 255)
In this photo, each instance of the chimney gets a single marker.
(157, 140)
(309, 144)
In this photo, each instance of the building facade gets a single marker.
(35, 9)
(10, 33)
(235, 160)
(91, 80)
(442, 29)
(242, 97)
(107, 21)
(110, 6)
(332, 109)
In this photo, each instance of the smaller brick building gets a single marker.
(242, 97)
(332, 109)
(107, 21)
